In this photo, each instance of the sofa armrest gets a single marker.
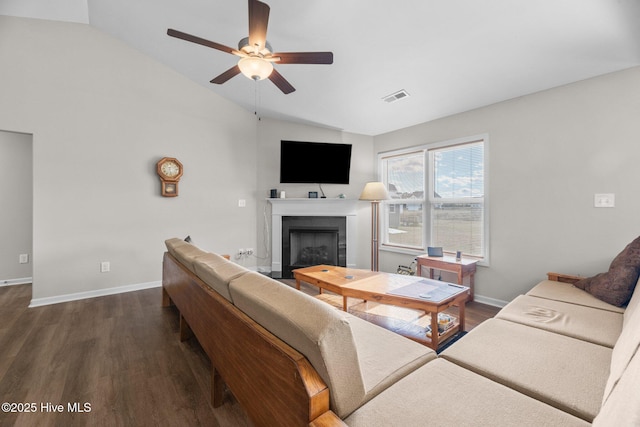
(328, 419)
(565, 278)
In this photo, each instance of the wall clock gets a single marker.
(169, 170)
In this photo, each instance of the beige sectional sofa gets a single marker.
(554, 357)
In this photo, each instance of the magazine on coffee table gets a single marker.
(429, 290)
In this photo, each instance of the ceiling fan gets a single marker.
(255, 52)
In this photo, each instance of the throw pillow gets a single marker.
(616, 285)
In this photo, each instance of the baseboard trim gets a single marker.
(37, 302)
(11, 282)
(489, 301)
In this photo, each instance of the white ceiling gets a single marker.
(449, 55)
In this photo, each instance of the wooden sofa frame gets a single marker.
(273, 382)
(564, 278)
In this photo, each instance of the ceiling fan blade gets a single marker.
(304, 57)
(198, 40)
(281, 82)
(258, 21)
(231, 72)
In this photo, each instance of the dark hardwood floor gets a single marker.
(121, 354)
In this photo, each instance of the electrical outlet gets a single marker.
(249, 251)
(24, 259)
(607, 200)
(105, 267)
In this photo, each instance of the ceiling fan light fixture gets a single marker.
(255, 68)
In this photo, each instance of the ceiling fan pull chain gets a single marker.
(256, 99)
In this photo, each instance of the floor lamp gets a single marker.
(374, 192)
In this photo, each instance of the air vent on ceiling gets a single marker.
(395, 96)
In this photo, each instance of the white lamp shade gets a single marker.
(255, 68)
(374, 191)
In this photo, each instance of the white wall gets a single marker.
(549, 153)
(270, 133)
(16, 201)
(102, 115)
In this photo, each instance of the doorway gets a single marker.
(16, 197)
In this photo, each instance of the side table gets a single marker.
(463, 268)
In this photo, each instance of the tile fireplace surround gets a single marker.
(311, 207)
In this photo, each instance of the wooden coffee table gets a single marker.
(464, 268)
(381, 287)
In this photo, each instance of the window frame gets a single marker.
(427, 200)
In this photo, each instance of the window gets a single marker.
(403, 214)
(451, 212)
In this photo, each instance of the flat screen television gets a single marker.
(314, 162)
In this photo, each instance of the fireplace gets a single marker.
(313, 240)
(324, 234)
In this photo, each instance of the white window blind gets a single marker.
(456, 198)
(403, 216)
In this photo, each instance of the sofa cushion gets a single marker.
(634, 304)
(566, 292)
(385, 357)
(217, 272)
(444, 394)
(564, 372)
(616, 285)
(211, 259)
(597, 326)
(622, 406)
(337, 344)
(184, 252)
(624, 350)
(173, 243)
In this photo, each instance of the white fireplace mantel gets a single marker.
(311, 207)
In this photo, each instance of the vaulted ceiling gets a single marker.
(449, 56)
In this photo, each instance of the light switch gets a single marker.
(607, 200)
(105, 267)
